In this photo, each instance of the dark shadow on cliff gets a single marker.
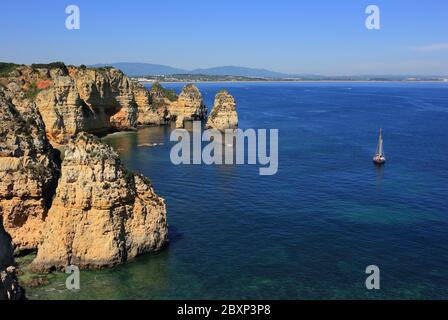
(51, 192)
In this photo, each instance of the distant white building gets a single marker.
(144, 80)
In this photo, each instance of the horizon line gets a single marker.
(285, 74)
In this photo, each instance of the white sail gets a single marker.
(379, 157)
(379, 149)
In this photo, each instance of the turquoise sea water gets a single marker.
(310, 230)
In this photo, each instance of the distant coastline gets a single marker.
(189, 78)
(294, 81)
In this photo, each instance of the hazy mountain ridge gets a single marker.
(143, 69)
(138, 69)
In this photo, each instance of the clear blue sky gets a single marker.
(313, 36)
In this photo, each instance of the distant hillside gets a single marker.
(132, 69)
(163, 72)
(149, 69)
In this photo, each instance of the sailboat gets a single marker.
(379, 157)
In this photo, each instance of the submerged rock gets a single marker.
(223, 115)
(102, 214)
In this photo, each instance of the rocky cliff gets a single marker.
(92, 100)
(160, 105)
(98, 100)
(88, 209)
(108, 93)
(189, 106)
(102, 214)
(9, 286)
(75, 99)
(153, 104)
(223, 115)
(28, 172)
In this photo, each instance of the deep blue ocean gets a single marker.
(310, 231)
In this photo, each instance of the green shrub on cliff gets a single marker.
(167, 93)
(32, 92)
(52, 65)
(128, 176)
(6, 68)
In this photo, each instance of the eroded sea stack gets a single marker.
(189, 106)
(154, 104)
(223, 115)
(102, 214)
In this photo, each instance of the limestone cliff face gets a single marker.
(159, 105)
(98, 100)
(152, 105)
(108, 94)
(89, 210)
(63, 110)
(76, 99)
(223, 115)
(189, 105)
(102, 214)
(9, 286)
(28, 172)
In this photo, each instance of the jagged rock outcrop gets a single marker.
(76, 99)
(159, 105)
(9, 286)
(63, 110)
(223, 115)
(28, 172)
(189, 105)
(98, 100)
(180, 121)
(152, 104)
(102, 214)
(91, 100)
(108, 94)
(88, 210)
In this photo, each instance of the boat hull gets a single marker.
(379, 160)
